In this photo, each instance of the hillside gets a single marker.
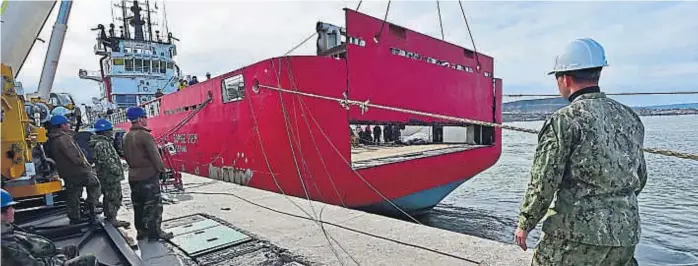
(540, 109)
(671, 106)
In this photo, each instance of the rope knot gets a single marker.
(364, 106)
(345, 102)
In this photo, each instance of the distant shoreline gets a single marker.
(530, 117)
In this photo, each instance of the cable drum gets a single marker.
(37, 108)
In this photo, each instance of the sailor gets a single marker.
(22, 248)
(145, 167)
(73, 167)
(159, 93)
(590, 165)
(193, 81)
(109, 170)
(388, 133)
(182, 84)
(377, 130)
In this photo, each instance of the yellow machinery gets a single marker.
(21, 139)
(26, 170)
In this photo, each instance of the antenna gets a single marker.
(124, 12)
(164, 12)
(150, 25)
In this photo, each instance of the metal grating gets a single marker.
(197, 235)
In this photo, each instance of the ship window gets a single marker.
(146, 66)
(118, 61)
(162, 67)
(129, 65)
(138, 63)
(156, 65)
(169, 65)
(233, 88)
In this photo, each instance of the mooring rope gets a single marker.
(609, 93)
(346, 103)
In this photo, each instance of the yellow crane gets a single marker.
(26, 170)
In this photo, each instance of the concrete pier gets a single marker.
(305, 238)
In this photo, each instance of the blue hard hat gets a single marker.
(7, 199)
(103, 125)
(57, 120)
(134, 113)
(580, 54)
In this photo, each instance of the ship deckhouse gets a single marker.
(136, 61)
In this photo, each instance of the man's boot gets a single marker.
(80, 220)
(141, 235)
(70, 251)
(161, 235)
(119, 223)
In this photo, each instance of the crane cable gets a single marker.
(441, 24)
(346, 103)
(380, 32)
(470, 33)
(289, 130)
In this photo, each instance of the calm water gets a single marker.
(487, 206)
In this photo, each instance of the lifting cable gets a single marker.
(378, 35)
(477, 57)
(317, 148)
(346, 103)
(301, 43)
(441, 24)
(288, 128)
(276, 181)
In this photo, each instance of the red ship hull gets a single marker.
(298, 145)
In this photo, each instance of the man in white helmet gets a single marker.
(590, 165)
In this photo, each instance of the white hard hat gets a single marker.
(580, 54)
(60, 110)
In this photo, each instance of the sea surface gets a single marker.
(487, 206)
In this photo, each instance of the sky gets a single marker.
(650, 46)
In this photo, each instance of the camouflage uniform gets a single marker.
(111, 173)
(145, 167)
(25, 249)
(590, 165)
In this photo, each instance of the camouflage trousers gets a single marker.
(147, 206)
(112, 199)
(553, 251)
(82, 260)
(73, 187)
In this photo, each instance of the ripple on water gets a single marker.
(487, 206)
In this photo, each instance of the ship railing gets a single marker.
(152, 107)
(118, 117)
(99, 49)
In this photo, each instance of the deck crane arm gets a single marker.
(53, 53)
(26, 170)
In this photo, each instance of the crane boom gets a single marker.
(22, 22)
(53, 53)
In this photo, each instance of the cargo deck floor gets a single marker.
(371, 156)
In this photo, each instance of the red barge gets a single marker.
(286, 142)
